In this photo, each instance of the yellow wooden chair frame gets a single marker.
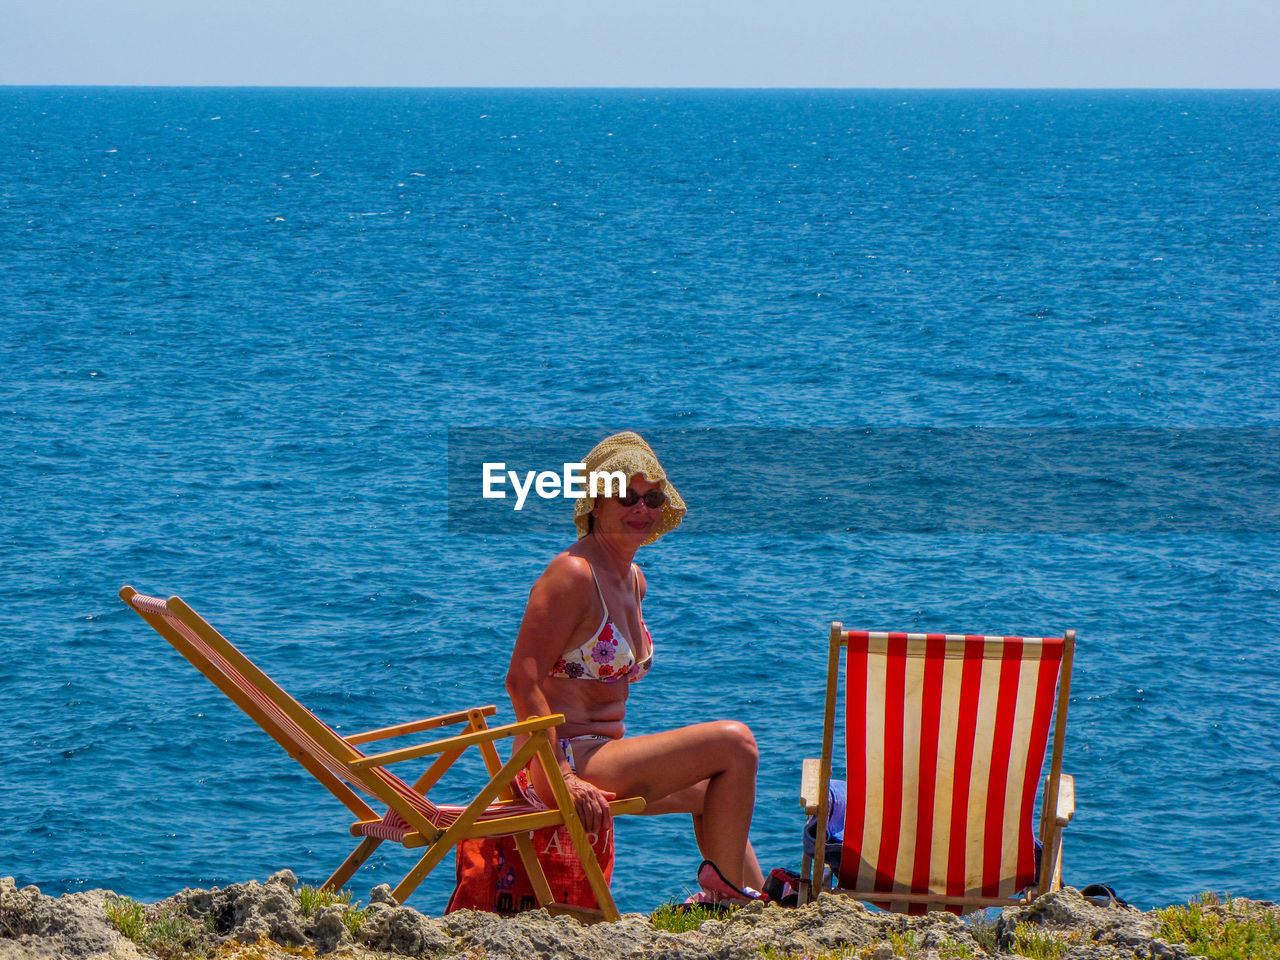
(411, 819)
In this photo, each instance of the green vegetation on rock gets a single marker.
(311, 900)
(681, 918)
(1230, 930)
(164, 932)
(1028, 942)
(128, 916)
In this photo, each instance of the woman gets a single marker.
(582, 644)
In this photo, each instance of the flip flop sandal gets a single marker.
(718, 893)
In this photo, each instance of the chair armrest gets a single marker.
(810, 771)
(459, 742)
(417, 726)
(1066, 800)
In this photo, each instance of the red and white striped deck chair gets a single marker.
(945, 741)
(410, 819)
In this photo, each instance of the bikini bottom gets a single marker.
(524, 783)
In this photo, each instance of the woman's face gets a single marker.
(637, 521)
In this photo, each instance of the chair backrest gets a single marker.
(945, 742)
(320, 749)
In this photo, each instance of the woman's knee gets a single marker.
(739, 741)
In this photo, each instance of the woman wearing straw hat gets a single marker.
(582, 644)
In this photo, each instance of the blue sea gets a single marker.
(973, 361)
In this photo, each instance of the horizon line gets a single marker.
(621, 87)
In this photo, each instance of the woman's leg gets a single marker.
(708, 770)
(691, 801)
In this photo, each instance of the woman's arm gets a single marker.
(559, 603)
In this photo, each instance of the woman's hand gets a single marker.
(591, 802)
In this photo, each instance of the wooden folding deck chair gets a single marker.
(411, 818)
(945, 741)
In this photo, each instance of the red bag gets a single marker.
(492, 878)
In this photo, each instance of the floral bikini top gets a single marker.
(608, 656)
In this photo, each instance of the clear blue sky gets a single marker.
(674, 43)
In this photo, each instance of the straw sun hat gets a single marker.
(629, 453)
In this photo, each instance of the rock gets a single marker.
(945, 933)
(328, 928)
(71, 927)
(403, 930)
(1092, 931)
(246, 912)
(530, 935)
(267, 918)
(283, 878)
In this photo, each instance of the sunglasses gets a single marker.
(653, 499)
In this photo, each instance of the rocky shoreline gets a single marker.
(264, 921)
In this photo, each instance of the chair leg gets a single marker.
(577, 834)
(591, 867)
(1055, 881)
(804, 889)
(1050, 858)
(353, 863)
(533, 868)
(430, 860)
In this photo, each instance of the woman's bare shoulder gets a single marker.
(567, 577)
(560, 600)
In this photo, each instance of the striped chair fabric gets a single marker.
(945, 740)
